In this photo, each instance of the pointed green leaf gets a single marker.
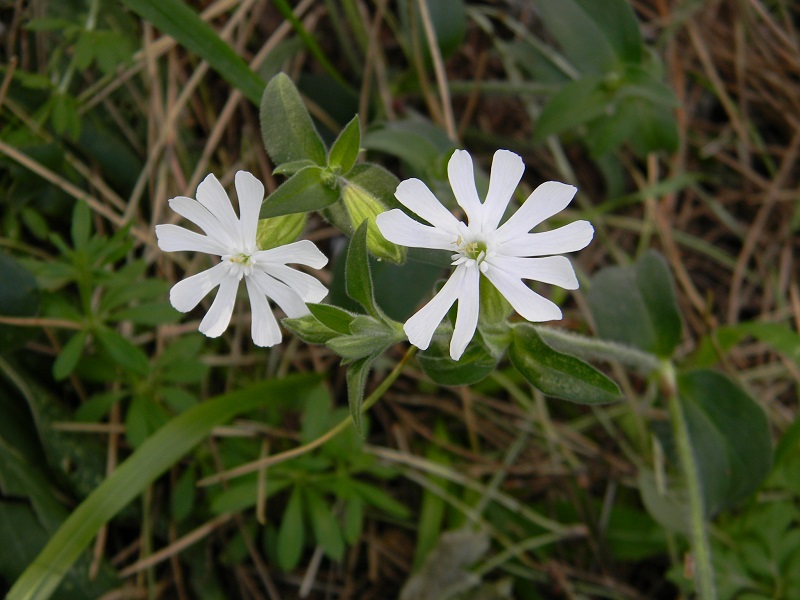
(309, 329)
(302, 192)
(345, 149)
(286, 127)
(327, 531)
(356, 383)
(369, 336)
(176, 19)
(558, 374)
(291, 535)
(70, 355)
(636, 305)
(125, 354)
(578, 102)
(157, 454)
(358, 280)
(334, 317)
(730, 437)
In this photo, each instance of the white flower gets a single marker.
(504, 255)
(265, 272)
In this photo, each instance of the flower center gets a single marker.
(239, 265)
(473, 252)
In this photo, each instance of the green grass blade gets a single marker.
(177, 20)
(157, 454)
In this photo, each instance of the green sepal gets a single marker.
(345, 149)
(310, 330)
(279, 231)
(286, 127)
(558, 374)
(363, 207)
(302, 192)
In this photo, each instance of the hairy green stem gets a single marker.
(597, 349)
(704, 571)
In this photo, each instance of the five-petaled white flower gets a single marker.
(505, 255)
(265, 272)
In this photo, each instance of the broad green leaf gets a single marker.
(558, 374)
(325, 525)
(293, 167)
(358, 280)
(730, 437)
(291, 535)
(636, 305)
(594, 37)
(302, 192)
(578, 102)
(157, 454)
(70, 355)
(475, 364)
(125, 354)
(176, 19)
(286, 127)
(279, 231)
(345, 149)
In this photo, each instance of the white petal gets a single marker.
(219, 315)
(198, 214)
(467, 315)
(250, 192)
(172, 238)
(525, 301)
(416, 197)
(568, 238)
(309, 288)
(264, 328)
(284, 296)
(420, 327)
(186, 294)
(507, 170)
(555, 270)
(462, 179)
(545, 201)
(211, 194)
(399, 228)
(303, 252)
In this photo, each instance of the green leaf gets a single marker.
(475, 364)
(353, 519)
(558, 374)
(183, 495)
(180, 22)
(356, 377)
(19, 297)
(636, 305)
(578, 102)
(279, 231)
(345, 149)
(380, 499)
(331, 316)
(126, 355)
(325, 525)
(70, 355)
(310, 330)
(293, 167)
(161, 451)
(291, 535)
(358, 280)
(302, 192)
(730, 437)
(286, 127)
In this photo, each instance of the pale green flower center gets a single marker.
(239, 265)
(474, 252)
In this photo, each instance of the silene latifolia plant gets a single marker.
(468, 326)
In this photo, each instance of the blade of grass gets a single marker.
(157, 454)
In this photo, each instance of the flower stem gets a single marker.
(704, 571)
(597, 349)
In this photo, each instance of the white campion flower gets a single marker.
(505, 255)
(265, 272)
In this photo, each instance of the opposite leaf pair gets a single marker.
(505, 254)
